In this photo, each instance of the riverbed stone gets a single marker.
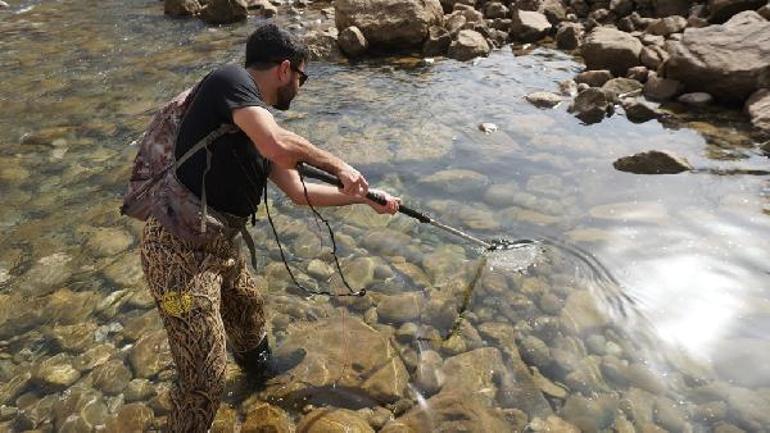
(589, 415)
(150, 355)
(14, 387)
(569, 36)
(758, 109)
(262, 417)
(378, 375)
(94, 357)
(594, 78)
(581, 314)
(132, 417)
(544, 99)
(748, 408)
(400, 308)
(606, 48)
(55, 372)
(352, 41)
(534, 352)
(652, 162)
(638, 73)
(722, 10)
(467, 45)
(333, 420)
(495, 9)
(653, 57)
(139, 390)
(456, 181)
(47, 274)
(390, 23)
(73, 338)
(474, 372)
(552, 424)
(728, 61)
(529, 26)
(591, 106)
(224, 11)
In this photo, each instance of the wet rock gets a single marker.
(758, 109)
(529, 26)
(568, 88)
(591, 106)
(94, 357)
(487, 127)
(333, 421)
(622, 86)
(437, 42)
(639, 110)
(376, 417)
(455, 411)
(112, 377)
(392, 23)
(319, 269)
(589, 415)
(652, 162)
(581, 314)
(723, 60)
(126, 271)
(352, 42)
(139, 326)
(181, 7)
(108, 241)
(596, 78)
(428, 375)
(544, 99)
(553, 10)
(73, 338)
(547, 386)
(550, 303)
(378, 375)
(47, 274)
(224, 11)
(696, 99)
(642, 377)
(401, 308)
(138, 390)
(722, 10)
(150, 355)
(606, 48)
(14, 387)
(552, 424)
(263, 417)
(739, 361)
(133, 417)
(55, 372)
(722, 427)
(667, 26)
(444, 263)
(671, 415)
(456, 181)
(473, 372)
(661, 89)
(535, 352)
(469, 44)
(501, 195)
(359, 273)
(748, 408)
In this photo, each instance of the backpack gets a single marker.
(155, 191)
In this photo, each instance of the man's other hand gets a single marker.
(353, 182)
(391, 203)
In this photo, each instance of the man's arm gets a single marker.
(286, 148)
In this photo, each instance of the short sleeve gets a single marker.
(230, 88)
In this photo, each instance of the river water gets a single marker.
(645, 305)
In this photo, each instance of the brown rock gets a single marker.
(528, 26)
(224, 11)
(606, 48)
(352, 42)
(264, 417)
(652, 162)
(594, 78)
(591, 105)
(181, 7)
(758, 109)
(468, 45)
(390, 23)
(437, 42)
(569, 35)
(668, 25)
(333, 421)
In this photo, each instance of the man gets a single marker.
(205, 294)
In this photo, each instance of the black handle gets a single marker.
(317, 173)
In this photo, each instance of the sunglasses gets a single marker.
(302, 75)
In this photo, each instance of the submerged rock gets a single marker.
(47, 274)
(390, 23)
(264, 417)
(333, 420)
(456, 181)
(606, 48)
(652, 162)
(55, 372)
(581, 315)
(727, 60)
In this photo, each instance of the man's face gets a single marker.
(287, 92)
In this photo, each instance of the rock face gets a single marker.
(722, 10)
(652, 162)
(468, 45)
(727, 61)
(369, 369)
(528, 26)
(224, 11)
(607, 48)
(390, 23)
(758, 109)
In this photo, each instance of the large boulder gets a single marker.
(468, 45)
(758, 108)
(390, 23)
(607, 48)
(224, 11)
(729, 61)
(528, 26)
(722, 10)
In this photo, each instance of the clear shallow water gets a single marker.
(649, 288)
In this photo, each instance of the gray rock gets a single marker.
(320, 269)
(622, 86)
(569, 35)
(758, 109)
(667, 26)
(181, 7)
(591, 106)
(606, 48)
(696, 99)
(661, 89)
(544, 99)
(595, 78)
(648, 39)
(528, 26)
(652, 162)
(568, 88)
(728, 61)
(723, 10)
(468, 45)
(437, 42)
(390, 23)
(352, 42)
(639, 111)
(638, 73)
(224, 11)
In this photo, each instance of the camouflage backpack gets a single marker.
(154, 189)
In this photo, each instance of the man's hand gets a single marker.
(391, 205)
(353, 182)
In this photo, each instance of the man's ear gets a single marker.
(284, 71)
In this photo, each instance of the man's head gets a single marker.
(281, 57)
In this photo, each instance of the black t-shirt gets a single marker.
(237, 173)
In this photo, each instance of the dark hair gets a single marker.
(269, 44)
